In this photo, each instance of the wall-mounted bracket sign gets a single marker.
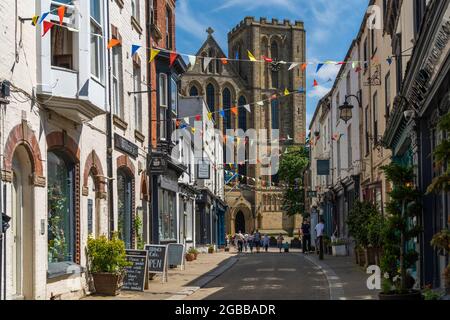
(136, 275)
(203, 169)
(126, 146)
(157, 163)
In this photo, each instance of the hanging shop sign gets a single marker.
(157, 163)
(203, 169)
(323, 167)
(126, 146)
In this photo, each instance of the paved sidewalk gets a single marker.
(346, 279)
(181, 283)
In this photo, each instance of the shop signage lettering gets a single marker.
(136, 273)
(125, 146)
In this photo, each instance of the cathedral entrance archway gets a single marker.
(239, 222)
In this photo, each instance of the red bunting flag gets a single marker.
(234, 109)
(315, 83)
(173, 57)
(47, 26)
(224, 60)
(113, 42)
(198, 117)
(178, 123)
(266, 59)
(61, 12)
(358, 69)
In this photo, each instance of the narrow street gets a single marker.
(268, 276)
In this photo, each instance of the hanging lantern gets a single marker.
(345, 112)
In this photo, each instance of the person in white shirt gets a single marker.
(319, 234)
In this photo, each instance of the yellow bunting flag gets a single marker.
(34, 20)
(250, 56)
(193, 130)
(154, 53)
(210, 115)
(286, 92)
(113, 43)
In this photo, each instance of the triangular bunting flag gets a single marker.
(330, 62)
(186, 119)
(286, 92)
(192, 61)
(250, 56)
(193, 130)
(153, 54)
(134, 48)
(44, 15)
(354, 64)
(198, 117)
(61, 12)
(173, 57)
(304, 66)
(389, 60)
(47, 26)
(224, 60)
(177, 123)
(315, 83)
(267, 59)
(260, 103)
(358, 69)
(292, 66)
(34, 20)
(234, 109)
(113, 43)
(319, 66)
(206, 62)
(222, 113)
(247, 107)
(301, 90)
(210, 115)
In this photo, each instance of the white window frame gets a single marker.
(136, 10)
(117, 79)
(163, 105)
(137, 98)
(99, 39)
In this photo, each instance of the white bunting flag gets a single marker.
(192, 61)
(260, 103)
(206, 62)
(247, 107)
(292, 66)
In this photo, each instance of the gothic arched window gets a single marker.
(210, 97)
(275, 115)
(211, 66)
(226, 102)
(242, 120)
(193, 92)
(274, 55)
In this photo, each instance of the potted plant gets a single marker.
(374, 234)
(211, 249)
(107, 262)
(339, 248)
(194, 252)
(397, 231)
(190, 256)
(441, 242)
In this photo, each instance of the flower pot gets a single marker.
(227, 249)
(107, 284)
(195, 255)
(210, 250)
(190, 257)
(339, 251)
(413, 295)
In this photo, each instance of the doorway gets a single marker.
(22, 226)
(239, 222)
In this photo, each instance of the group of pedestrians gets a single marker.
(306, 236)
(246, 242)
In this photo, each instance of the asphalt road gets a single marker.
(271, 276)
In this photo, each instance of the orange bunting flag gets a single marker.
(304, 66)
(178, 123)
(234, 109)
(224, 60)
(113, 42)
(315, 83)
(47, 26)
(173, 57)
(61, 12)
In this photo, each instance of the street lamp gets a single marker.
(345, 110)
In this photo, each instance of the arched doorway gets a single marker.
(239, 222)
(124, 206)
(22, 224)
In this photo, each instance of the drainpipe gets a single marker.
(109, 149)
(149, 9)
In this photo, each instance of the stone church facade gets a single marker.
(255, 202)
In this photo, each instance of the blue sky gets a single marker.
(330, 25)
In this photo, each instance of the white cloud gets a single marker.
(318, 91)
(254, 4)
(190, 22)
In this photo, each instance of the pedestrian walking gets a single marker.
(257, 240)
(280, 240)
(306, 236)
(319, 234)
(240, 241)
(266, 242)
(246, 242)
(251, 242)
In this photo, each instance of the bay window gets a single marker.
(97, 48)
(163, 101)
(117, 81)
(137, 97)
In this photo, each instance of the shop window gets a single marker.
(167, 215)
(124, 207)
(61, 208)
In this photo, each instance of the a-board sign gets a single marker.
(175, 254)
(136, 274)
(157, 258)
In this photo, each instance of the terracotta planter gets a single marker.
(227, 249)
(190, 257)
(414, 295)
(195, 255)
(107, 284)
(210, 250)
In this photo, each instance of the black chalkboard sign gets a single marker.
(136, 274)
(156, 258)
(175, 254)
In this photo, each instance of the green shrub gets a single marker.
(107, 255)
(192, 250)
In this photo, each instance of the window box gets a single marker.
(156, 32)
(136, 25)
(118, 122)
(139, 136)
